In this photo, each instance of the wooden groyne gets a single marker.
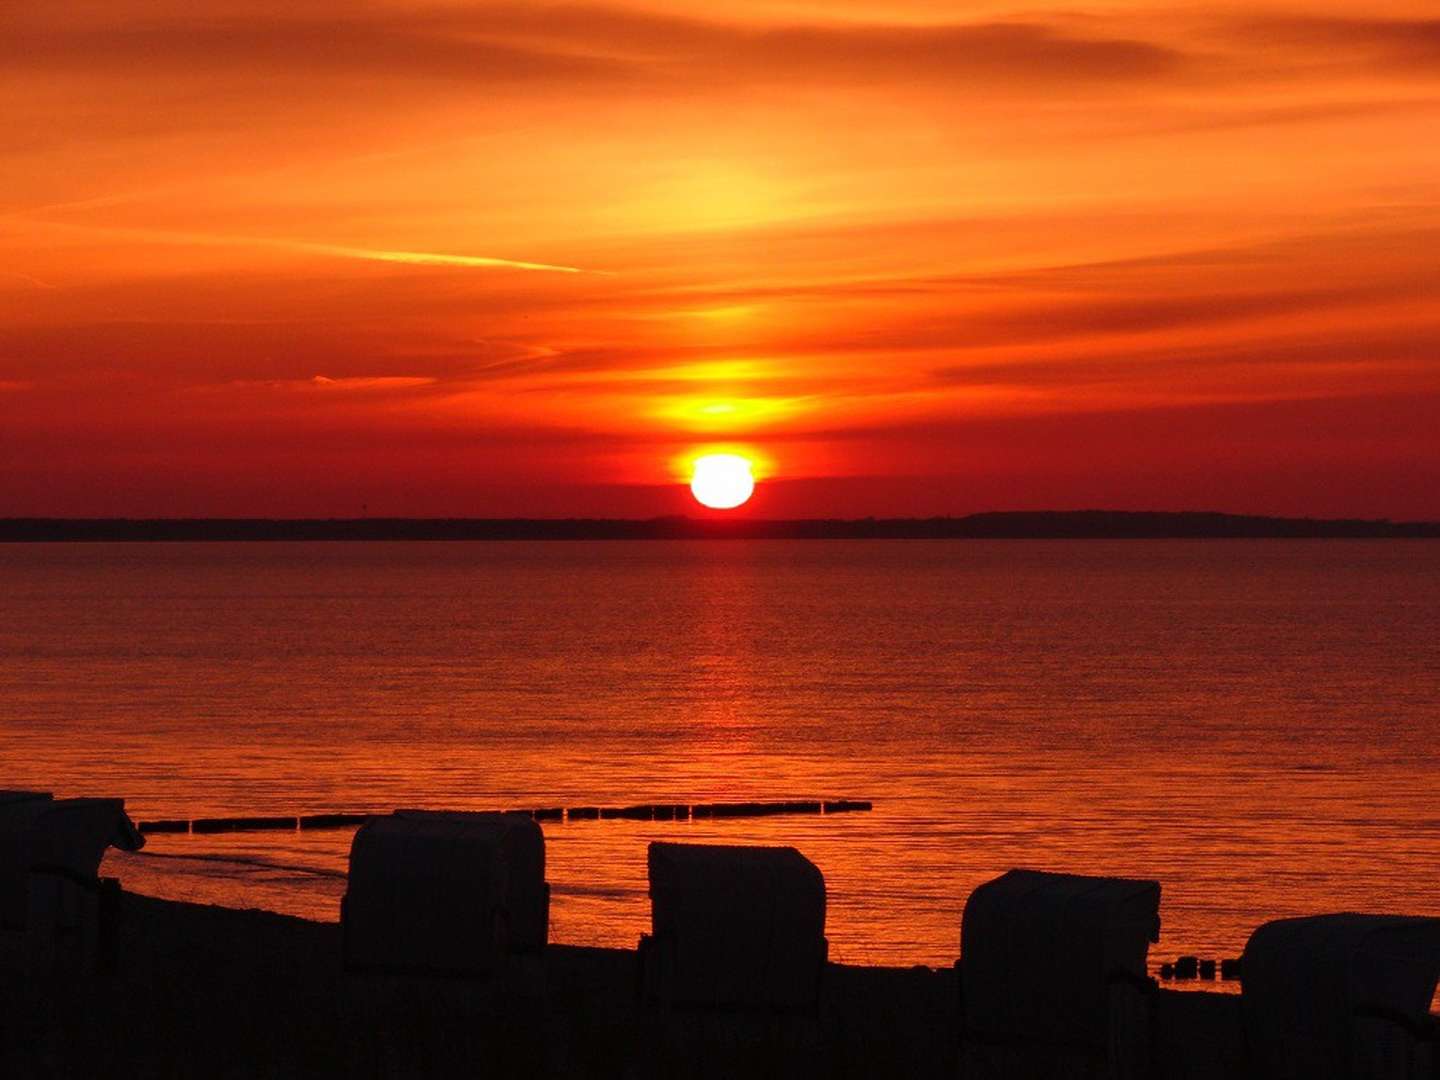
(1190, 968)
(639, 812)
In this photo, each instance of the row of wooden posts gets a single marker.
(641, 812)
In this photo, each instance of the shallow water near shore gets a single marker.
(1255, 723)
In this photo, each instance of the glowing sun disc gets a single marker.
(722, 481)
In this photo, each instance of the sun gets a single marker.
(722, 481)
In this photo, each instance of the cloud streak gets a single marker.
(409, 258)
(577, 45)
(599, 47)
(306, 247)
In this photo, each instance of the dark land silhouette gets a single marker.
(1007, 525)
(442, 966)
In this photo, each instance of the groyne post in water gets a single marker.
(640, 812)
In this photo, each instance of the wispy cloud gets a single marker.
(371, 382)
(326, 384)
(413, 258)
(1409, 43)
(580, 45)
(588, 47)
(338, 251)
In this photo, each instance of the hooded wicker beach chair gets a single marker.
(18, 812)
(527, 897)
(54, 906)
(11, 795)
(1053, 976)
(1342, 997)
(738, 928)
(444, 893)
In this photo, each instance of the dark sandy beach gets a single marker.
(209, 991)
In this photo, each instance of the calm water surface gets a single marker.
(1256, 724)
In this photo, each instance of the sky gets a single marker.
(443, 258)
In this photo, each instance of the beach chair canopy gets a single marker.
(1039, 953)
(429, 892)
(527, 895)
(15, 796)
(62, 837)
(737, 926)
(1311, 986)
(18, 810)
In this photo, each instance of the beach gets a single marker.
(210, 991)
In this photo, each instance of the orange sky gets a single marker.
(336, 257)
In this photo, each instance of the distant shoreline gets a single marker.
(1010, 525)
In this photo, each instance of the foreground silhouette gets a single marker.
(442, 969)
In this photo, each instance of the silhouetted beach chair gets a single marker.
(10, 795)
(1053, 976)
(18, 811)
(527, 897)
(444, 893)
(733, 928)
(1336, 997)
(52, 899)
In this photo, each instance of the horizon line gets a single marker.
(707, 519)
(991, 525)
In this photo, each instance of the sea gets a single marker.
(1256, 724)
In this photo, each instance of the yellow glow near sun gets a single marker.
(723, 413)
(722, 481)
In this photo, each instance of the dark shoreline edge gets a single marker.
(1009, 525)
(199, 990)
